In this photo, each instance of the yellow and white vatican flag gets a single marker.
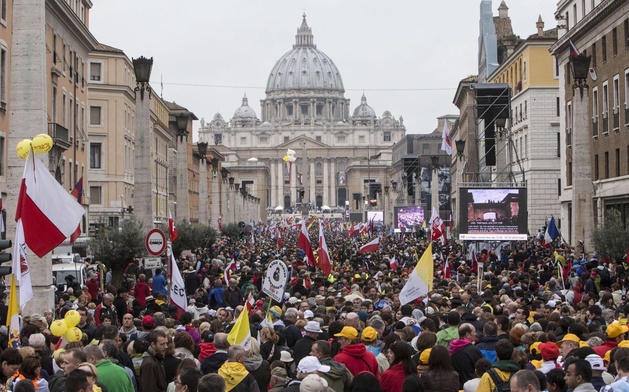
(13, 319)
(420, 280)
(241, 332)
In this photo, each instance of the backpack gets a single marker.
(499, 385)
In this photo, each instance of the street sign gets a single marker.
(152, 262)
(275, 280)
(155, 242)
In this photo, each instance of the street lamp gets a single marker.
(182, 126)
(460, 147)
(580, 70)
(202, 147)
(231, 181)
(142, 67)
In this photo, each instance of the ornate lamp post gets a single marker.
(143, 179)
(142, 67)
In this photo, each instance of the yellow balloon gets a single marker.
(58, 327)
(285, 158)
(23, 147)
(42, 143)
(74, 334)
(72, 318)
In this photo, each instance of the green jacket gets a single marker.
(445, 336)
(114, 377)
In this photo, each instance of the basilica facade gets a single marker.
(339, 151)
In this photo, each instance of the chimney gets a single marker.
(540, 26)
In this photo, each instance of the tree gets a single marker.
(193, 237)
(116, 247)
(231, 230)
(611, 239)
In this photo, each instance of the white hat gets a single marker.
(313, 326)
(293, 300)
(552, 304)
(311, 364)
(308, 314)
(286, 357)
(313, 383)
(596, 362)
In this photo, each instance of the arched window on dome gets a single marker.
(318, 169)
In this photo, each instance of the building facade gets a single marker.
(528, 147)
(305, 110)
(593, 126)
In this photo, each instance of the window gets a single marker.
(318, 169)
(426, 148)
(243, 140)
(606, 164)
(95, 155)
(218, 139)
(526, 109)
(264, 139)
(559, 187)
(3, 11)
(567, 20)
(558, 106)
(63, 109)
(289, 109)
(596, 166)
(341, 138)
(617, 162)
(626, 25)
(65, 61)
(627, 92)
(96, 195)
(95, 71)
(569, 124)
(595, 104)
(576, 15)
(594, 55)
(604, 48)
(524, 71)
(54, 104)
(556, 67)
(341, 166)
(605, 100)
(387, 136)
(616, 94)
(318, 138)
(95, 115)
(3, 78)
(614, 42)
(361, 139)
(286, 139)
(558, 144)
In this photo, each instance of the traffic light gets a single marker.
(4, 257)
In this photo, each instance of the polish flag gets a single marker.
(77, 192)
(172, 230)
(393, 263)
(370, 246)
(227, 274)
(305, 244)
(446, 144)
(279, 240)
(47, 212)
(324, 255)
(446, 268)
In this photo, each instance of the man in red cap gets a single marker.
(550, 353)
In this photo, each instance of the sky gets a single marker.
(407, 56)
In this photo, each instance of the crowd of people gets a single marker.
(535, 320)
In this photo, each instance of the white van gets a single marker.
(66, 258)
(60, 271)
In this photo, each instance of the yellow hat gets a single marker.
(369, 335)
(607, 356)
(276, 310)
(534, 349)
(569, 338)
(583, 344)
(424, 356)
(615, 329)
(624, 344)
(348, 332)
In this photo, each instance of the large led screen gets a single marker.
(408, 217)
(493, 214)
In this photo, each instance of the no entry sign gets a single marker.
(155, 242)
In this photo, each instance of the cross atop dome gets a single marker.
(304, 37)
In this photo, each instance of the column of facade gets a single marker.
(293, 185)
(274, 186)
(332, 181)
(326, 182)
(203, 198)
(312, 198)
(280, 181)
(296, 109)
(183, 200)
(582, 207)
(214, 198)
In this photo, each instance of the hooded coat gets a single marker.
(487, 347)
(445, 336)
(260, 370)
(237, 378)
(504, 369)
(339, 377)
(464, 357)
(357, 359)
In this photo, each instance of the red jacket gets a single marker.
(357, 359)
(142, 291)
(393, 378)
(93, 288)
(207, 349)
(605, 347)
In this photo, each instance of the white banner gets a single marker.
(275, 280)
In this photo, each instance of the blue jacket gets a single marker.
(159, 284)
(487, 347)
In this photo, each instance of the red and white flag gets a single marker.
(177, 286)
(20, 265)
(305, 244)
(371, 246)
(48, 213)
(250, 302)
(393, 263)
(437, 227)
(227, 274)
(279, 240)
(324, 255)
(446, 144)
(172, 230)
(446, 268)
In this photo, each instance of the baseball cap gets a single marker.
(615, 329)
(311, 364)
(348, 332)
(424, 356)
(369, 335)
(549, 350)
(148, 321)
(596, 362)
(534, 348)
(569, 338)
(308, 314)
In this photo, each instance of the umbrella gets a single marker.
(325, 208)
(279, 208)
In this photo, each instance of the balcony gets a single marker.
(60, 135)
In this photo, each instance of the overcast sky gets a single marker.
(406, 55)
